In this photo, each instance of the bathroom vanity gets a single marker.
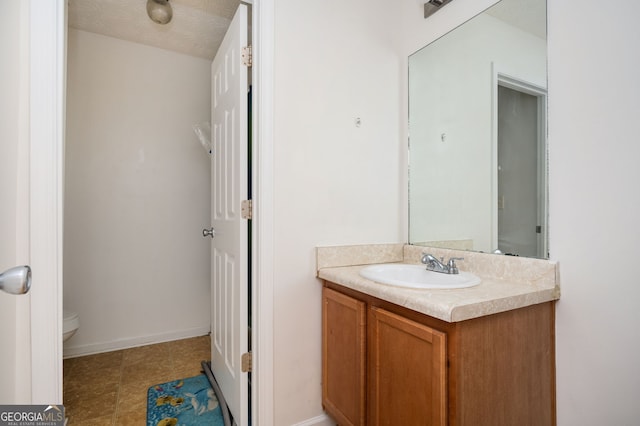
(475, 356)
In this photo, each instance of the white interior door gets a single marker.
(229, 250)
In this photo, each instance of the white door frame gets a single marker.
(47, 57)
(15, 329)
(263, 238)
(48, 62)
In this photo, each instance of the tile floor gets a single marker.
(111, 388)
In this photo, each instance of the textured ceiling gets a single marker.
(197, 27)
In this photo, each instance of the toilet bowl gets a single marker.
(70, 324)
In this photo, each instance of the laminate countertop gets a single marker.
(507, 282)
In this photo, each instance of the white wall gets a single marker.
(335, 183)
(136, 267)
(595, 208)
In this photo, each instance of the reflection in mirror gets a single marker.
(477, 124)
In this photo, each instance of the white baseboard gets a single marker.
(322, 420)
(71, 351)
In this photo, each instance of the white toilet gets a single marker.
(70, 324)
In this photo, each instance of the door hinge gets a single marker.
(247, 361)
(246, 209)
(247, 57)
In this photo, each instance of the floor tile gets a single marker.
(111, 388)
(132, 419)
(93, 421)
(146, 354)
(132, 399)
(92, 407)
(103, 360)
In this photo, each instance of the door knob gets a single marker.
(208, 232)
(16, 280)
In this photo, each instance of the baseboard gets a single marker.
(322, 420)
(114, 345)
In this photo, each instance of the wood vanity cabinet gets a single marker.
(388, 365)
(344, 357)
(406, 371)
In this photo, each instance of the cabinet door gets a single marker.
(343, 357)
(407, 371)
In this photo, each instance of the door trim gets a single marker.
(263, 238)
(47, 54)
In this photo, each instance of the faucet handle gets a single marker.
(453, 268)
(426, 257)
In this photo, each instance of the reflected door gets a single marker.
(521, 172)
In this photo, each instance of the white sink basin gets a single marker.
(417, 276)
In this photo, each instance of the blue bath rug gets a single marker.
(186, 402)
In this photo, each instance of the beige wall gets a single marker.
(595, 208)
(136, 267)
(335, 183)
(326, 179)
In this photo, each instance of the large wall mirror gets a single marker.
(477, 134)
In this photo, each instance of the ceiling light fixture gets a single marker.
(432, 6)
(159, 11)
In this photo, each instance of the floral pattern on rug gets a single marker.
(186, 402)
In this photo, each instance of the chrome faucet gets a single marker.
(435, 265)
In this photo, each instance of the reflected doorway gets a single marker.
(521, 169)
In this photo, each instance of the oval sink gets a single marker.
(417, 276)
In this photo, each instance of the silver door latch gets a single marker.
(16, 280)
